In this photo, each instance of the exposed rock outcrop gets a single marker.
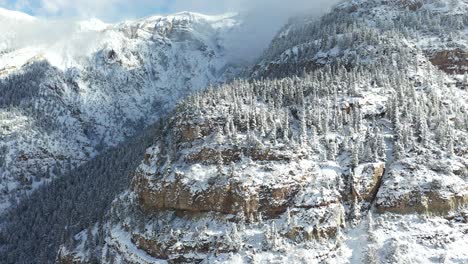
(367, 180)
(410, 188)
(224, 196)
(428, 203)
(451, 61)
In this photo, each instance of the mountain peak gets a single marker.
(226, 20)
(93, 24)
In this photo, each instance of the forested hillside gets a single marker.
(33, 230)
(355, 31)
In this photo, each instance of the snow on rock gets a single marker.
(436, 27)
(410, 188)
(367, 179)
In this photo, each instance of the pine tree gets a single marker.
(371, 255)
(197, 131)
(303, 124)
(235, 236)
(332, 150)
(356, 211)
(422, 130)
(286, 127)
(396, 255)
(398, 150)
(370, 229)
(450, 143)
(354, 156)
(219, 163)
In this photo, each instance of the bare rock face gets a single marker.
(412, 5)
(227, 194)
(416, 189)
(197, 169)
(229, 198)
(367, 180)
(430, 203)
(65, 257)
(451, 61)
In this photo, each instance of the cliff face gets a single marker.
(451, 61)
(361, 160)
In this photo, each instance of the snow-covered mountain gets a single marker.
(362, 159)
(70, 89)
(347, 144)
(438, 28)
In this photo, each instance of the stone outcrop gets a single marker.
(410, 188)
(226, 196)
(319, 222)
(451, 61)
(431, 203)
(412, 5)
(65, 257)
(205, 175)
(367, 180)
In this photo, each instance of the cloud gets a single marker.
(280, 7)
(81, 8)
(266, 17)
(262, 18)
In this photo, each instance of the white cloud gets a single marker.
(263, 18)
(81, 8)
(279, 7)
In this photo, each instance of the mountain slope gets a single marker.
(90, 85)
(438, 28)
(70, 202)
(361, 160)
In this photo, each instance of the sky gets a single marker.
(107, 10)
(117, 10)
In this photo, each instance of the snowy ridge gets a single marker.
(72, 44)
(308, 44)
(92, 85)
